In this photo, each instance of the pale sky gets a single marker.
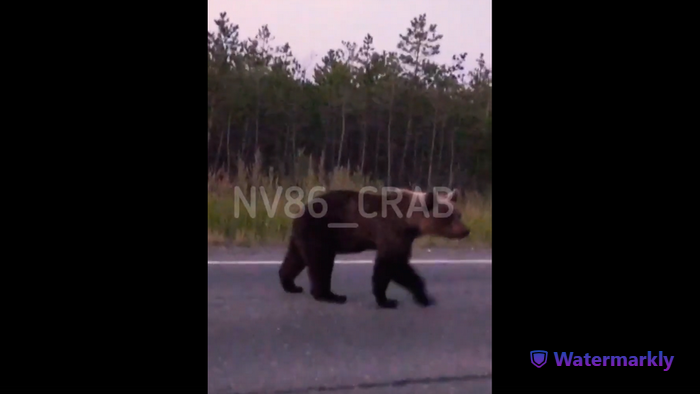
(312, 27)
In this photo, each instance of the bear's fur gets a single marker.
(314, 244)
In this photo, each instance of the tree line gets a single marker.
(397, 116)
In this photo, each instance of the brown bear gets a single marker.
(353, 222)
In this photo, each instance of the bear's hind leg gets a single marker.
(291, 267)
(406, 277)
(380, 281)
(320, 266)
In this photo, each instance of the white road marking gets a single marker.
(413, 261)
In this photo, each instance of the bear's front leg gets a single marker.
(380, 282)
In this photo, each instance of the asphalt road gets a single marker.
(262, 340)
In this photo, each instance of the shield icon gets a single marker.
(538, 358)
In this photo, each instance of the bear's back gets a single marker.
(345, 227)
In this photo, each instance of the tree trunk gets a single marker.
(452, 158)
(432, 148)
(287, 137)
(364, 147)
(405, 147)
(442, 142)
(257, 112)
(388, 137)
(244, 146)
(221, 143)
(419, 170)
(377, 149)
(342, 134)
(228, 146)
(330, 135)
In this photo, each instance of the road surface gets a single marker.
(262, 340)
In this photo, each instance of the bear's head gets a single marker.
(443, 217)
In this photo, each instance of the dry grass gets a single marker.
(243, 229)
